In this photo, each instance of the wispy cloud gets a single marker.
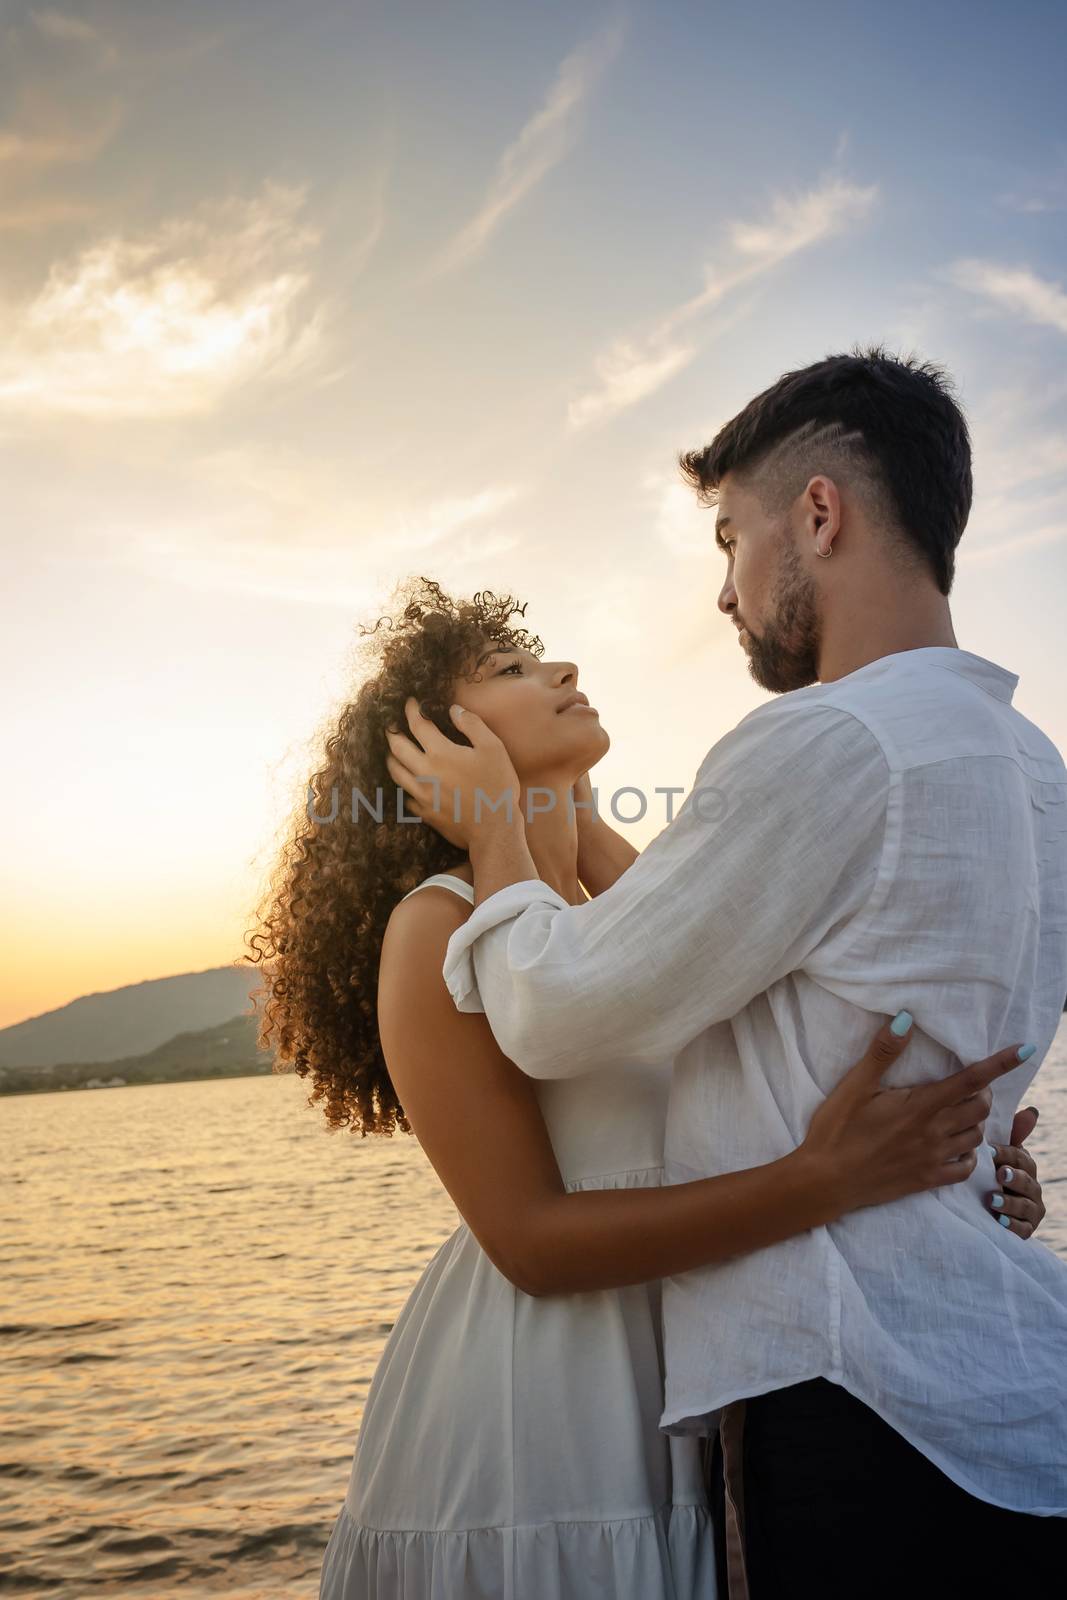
(626, 372)
(794, 223)
(678, 519)
(1032, 539)
(46, 139)
(153, 40)
(281, 531)
(356, 219)
(1020, 452)
(541, 145)
(41, 135)
(1039, 192)
(29, 216)
(1031, 204)
(59, 25)
(1015, 289)
(71, 31)
(168, 322)
(631, 368)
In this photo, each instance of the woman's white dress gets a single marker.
(509, 1448)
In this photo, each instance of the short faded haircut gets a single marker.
(889, 427)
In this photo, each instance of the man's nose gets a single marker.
(727, 598)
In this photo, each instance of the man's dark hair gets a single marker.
(890, 421)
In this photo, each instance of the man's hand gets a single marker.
(1020, 1195)
(460, 791)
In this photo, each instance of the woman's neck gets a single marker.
(552, 835)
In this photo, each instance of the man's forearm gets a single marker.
(500, 856)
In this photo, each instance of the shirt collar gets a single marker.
(997, 681)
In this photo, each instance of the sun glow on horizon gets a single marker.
(291, 313)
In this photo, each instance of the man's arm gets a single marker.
(780, 840)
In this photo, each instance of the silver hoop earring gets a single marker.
(826, 554)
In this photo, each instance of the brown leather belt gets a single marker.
(731, 1434)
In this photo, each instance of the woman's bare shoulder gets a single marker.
(412, 963)
(420, 927)
(464, 871)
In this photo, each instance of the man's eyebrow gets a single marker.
(719, 526)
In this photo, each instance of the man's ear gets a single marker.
(821, 510)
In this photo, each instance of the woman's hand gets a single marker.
(882, 1144)
(457, 789)
(1019, 1199)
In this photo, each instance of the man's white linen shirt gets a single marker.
(894, 839)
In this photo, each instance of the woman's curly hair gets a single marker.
(321, 921)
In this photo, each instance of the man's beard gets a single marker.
(786, 656)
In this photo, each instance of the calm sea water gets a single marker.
(197, 1283)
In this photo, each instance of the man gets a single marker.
(888, 834)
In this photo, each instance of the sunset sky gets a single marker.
(298, 299)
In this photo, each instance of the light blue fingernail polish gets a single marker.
(901, 1023)
(1025, 1051)
(997, 1202)
(1005, 1222)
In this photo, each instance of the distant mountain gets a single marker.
(226, 1051)
(130, 1021)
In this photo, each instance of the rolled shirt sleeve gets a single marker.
(780, 838)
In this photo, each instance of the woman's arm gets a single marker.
(744, 884)
(603, 854)
(477, 1118)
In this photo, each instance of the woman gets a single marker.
(509, 1445)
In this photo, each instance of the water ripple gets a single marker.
(192, 1336)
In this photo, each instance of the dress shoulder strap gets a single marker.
(444, 880)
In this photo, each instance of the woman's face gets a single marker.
(537, 710)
